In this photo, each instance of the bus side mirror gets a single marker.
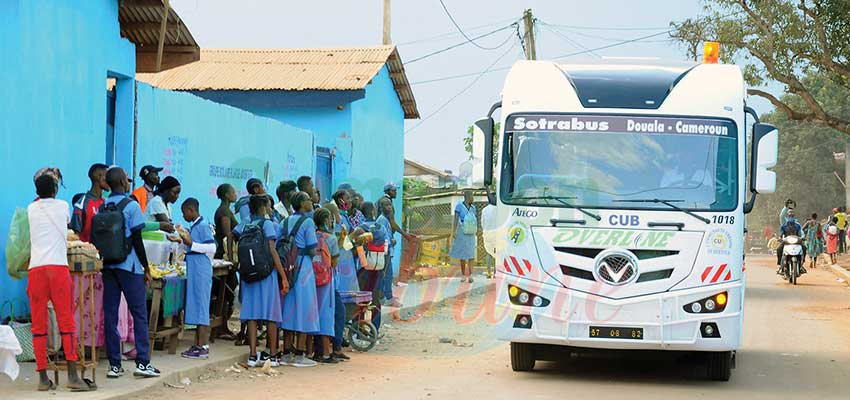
(482, 146)
(765, 155)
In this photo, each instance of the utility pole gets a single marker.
(528, 21)
(387, 18)
(847, 175)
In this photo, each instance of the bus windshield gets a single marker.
(605, 161)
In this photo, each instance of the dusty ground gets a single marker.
(795, 347)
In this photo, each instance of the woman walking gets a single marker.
(832, 233)
(813, 233)
(464, 239)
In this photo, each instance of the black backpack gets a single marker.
(107, 232)
(288, 251)
(255, 259)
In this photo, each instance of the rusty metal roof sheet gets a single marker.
(140, 22)
(289, 69)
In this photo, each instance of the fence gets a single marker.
(430, 218)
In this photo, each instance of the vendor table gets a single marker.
(221, 269)
(168, 297)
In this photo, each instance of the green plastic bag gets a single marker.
(18, 245)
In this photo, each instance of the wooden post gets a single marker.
(530, 49)
(387, 18)
(847, 175)
(162, 30)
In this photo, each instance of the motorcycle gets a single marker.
(792, 258)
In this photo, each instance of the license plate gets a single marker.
(609, 332)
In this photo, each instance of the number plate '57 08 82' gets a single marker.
(608, 332)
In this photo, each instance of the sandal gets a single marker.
(90, 386)
(50, 386)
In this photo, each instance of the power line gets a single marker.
(448, 35)
(567, 39)
(615, 44)
(465, 42)
(605, 28)
(607, 39)
(462, 91)
(461, 30)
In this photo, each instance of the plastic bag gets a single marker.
(18, 245)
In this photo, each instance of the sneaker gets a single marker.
(253, 360)
(326, 360)
(303, 362)
(265, 357)
(286, 359)
(340, 356)
(114, 372)
(196, 353)
(146, 371)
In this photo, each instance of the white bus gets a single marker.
(617, 215)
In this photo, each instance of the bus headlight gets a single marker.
(708, 305)
(525, 298)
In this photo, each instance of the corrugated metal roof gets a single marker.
(288, 69)
(140, 23)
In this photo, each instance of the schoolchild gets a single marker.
(300, 309)
(370, 280)
(200, 247)
(261, 299)
(253, 186)
(327, 255)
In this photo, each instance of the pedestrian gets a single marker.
(783, 214)
(87, 204)
(342, 279)
(150, 179)
(813, 231)
(225, 221)
(327, 254)
(200, 247)
(463, 237)
(841, 223)
(50, 281)
(346, 278)
(305, 184)
(126, 277)
(387, 210)
(317, 199)
(283, 208)
(254, 186)
(355, 214)
(370, 279)
(832, 234)
(300, 307)
(159, 207)
(261, 299)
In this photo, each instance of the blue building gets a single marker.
(354, 100)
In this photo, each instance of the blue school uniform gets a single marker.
(300, 308)
(261, 299)
(464, 246)
(346, 270)
(325, 295)
(198, 276)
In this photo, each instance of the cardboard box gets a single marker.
(81, 259)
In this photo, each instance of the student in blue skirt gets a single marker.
(200, 247)
(327, 253)
(300, 309)
(261, 299)
(370, 280)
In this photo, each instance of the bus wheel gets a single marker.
(522, 357)
(720, 366)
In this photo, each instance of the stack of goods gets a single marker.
(83, 257)
(159, 271)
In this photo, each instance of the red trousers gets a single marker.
(53, 283)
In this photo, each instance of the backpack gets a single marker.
(470, 223)
(288, 251)
(322, 260)
(107, 232)
(255, 259)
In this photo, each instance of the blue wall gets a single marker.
(56, 58)
(204, 144)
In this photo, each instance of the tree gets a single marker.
(781, 40)
(467, 140)
(806, 168)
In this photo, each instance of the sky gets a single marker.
(420, 27)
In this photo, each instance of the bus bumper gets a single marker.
(570, 315)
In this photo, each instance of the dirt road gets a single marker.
(796, 346)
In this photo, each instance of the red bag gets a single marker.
(322, 260)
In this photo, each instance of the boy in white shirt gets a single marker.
(50, 280)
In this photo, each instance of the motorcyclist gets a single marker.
(790, 228)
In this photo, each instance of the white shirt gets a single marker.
(157, 206)
(281, 209)
(48, 220)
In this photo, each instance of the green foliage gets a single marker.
(806, 168)
(467, 140)
(781, 41)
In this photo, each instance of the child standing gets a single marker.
(300, 311)
(200, 246)
(261, 299)
(327, 253)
